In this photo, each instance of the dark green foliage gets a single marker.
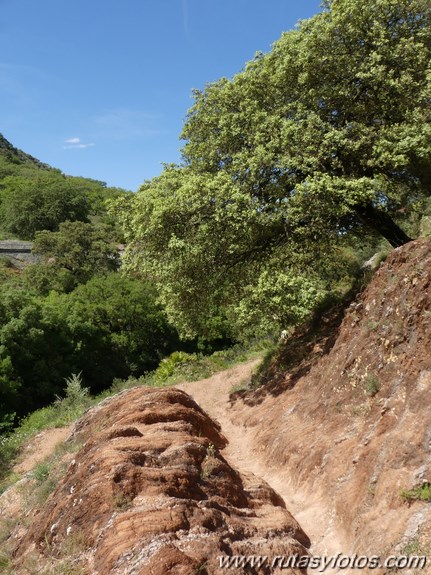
(111, 327)
(40, 203)
(43, 278)
(116, 328)
(35, 352)
(71, 256)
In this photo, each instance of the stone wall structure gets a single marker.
(18, 251)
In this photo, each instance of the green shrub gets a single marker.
(41, 472)
(422, 493)
(372, 384)
(62, 412)
(172, 364)
(76, 397)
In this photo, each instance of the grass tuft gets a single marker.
(62, 412)
(422, 493)
(372, 385)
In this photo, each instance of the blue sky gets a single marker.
(100, 88)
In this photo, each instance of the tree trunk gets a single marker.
(382, 223)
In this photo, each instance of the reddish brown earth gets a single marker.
(341, 426)
(40, 447)
(342, 431)
(150, 493)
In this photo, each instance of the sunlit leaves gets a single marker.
(326, 136)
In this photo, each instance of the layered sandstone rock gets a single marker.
(149, 492)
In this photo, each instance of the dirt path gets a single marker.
(37, 449)
(40, 447)
(243, 453)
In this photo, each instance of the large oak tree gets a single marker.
(326, 135)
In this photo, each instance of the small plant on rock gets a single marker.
(422, 493)
(122, 501)
(372, 385)
(210, 462)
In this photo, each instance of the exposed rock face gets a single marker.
(345, 430)
(358, 422)
(149, 492)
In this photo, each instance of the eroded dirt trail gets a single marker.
(246, 455)
(40, 447)
(243, 452)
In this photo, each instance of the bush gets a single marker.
(40, 203)
(422, 493)
(62, 412)
(372, 384)
(175, 363)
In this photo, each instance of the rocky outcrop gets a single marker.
(357, 418)
(149, 492)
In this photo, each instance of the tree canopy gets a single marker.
(71, 256)
(41, 202)
(327, 135)
(110, 327)
(334, 122)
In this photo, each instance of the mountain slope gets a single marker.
(352, 432)
(16, 156)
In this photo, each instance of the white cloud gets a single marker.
(75, 143)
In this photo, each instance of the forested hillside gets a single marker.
(35, 196)
(72, 312)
